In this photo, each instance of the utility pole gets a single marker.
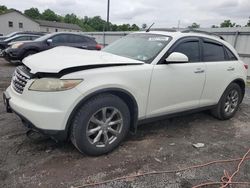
(107, 29)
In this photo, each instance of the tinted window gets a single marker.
(24, 38)
(231, 56)
(213, 52)
(77, 39)
(34, 37)
(190, 49)
(60, 39)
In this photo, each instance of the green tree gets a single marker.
(134, 27)
(113, 27)
(71, 18)
(227, 23)
(33, 13)
(3, 9)
(60, 18)
(214, 26)
(50, 15)
(124, 27)
(194, 26)
(96, 23)
(83, 24)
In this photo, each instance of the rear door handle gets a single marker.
(199, 70)
(230, 69)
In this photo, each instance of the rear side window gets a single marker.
(24, 38)
(231, 56)
(34, 37)
(213, 52)
(77, 39)
(190, 49)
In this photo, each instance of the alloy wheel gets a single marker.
(104, 126)
(231, 102)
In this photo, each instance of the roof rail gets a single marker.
(202, 32)
(163, 29)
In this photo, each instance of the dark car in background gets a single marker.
(20, 37)
(19, 33)
(18, 51)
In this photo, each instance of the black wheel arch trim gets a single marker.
(242, 85)
(115, 91)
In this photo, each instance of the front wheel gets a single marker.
(100, 125)
(229, 102)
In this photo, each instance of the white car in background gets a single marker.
(96, 97)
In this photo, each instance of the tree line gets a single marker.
(95, 23)
(225, 23)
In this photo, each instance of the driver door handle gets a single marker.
(199, 70)
(230, 69)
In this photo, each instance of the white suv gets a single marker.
(96, 97)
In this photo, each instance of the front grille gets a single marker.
(19, 80)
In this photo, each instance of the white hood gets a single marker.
(59, 58)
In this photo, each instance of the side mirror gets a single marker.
(177, 57)
(49, 41)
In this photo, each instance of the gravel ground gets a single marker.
(163, 145)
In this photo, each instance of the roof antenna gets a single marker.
(150, 27)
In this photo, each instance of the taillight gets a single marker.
(98, 47)
(246, 66)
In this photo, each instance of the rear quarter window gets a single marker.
(213, 52)
(231, 56)
(77, 39)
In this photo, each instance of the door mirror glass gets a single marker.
(177, 57)
(49, 41)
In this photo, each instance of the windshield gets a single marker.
(44, 37)
(11, 38)
(142, 47)
(10, 35)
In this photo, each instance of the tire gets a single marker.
(28, 53)
(229, 103)
(88, 123)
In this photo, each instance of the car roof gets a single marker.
(193, 33)
(68, 33)
(71, 33)
(181, 34)
(20, 35)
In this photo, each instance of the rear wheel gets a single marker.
(100, 125)
(229, 102)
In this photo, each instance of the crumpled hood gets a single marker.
(60, 58)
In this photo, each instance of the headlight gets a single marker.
(53, 84)
(17, 45)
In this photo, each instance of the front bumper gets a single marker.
(12, 55)
(46, 112)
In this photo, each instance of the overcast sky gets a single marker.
(165, 13)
